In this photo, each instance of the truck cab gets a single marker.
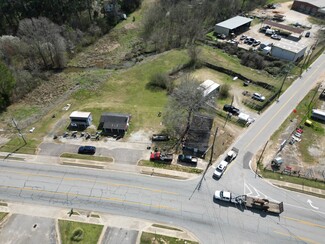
(223, 196)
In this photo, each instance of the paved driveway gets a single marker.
(119, 235)
(22, 229)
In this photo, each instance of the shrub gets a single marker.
(224, 91)
(77, 235)
(160, 81)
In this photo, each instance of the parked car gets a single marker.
(231, 109)
(276, 37)
(248, 38)
(187, 159)
(220, 169)
(256, 43)
(243, 37)
(87, 150)
(160, 137)
(221, 36)
(258, 97)
(307, 34)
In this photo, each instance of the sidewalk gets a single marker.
(300, 188)
(107, 220)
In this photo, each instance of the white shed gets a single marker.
(209, 87)
(291, 51)
(80, 120)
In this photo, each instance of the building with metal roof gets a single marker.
(80, 120)
(312, 7)
(209, 87)
(234, 25)
(291, 51)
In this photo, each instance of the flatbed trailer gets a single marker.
(259, 204)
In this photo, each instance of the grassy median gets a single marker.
(81, 233)
(151, 238)
(148, 163)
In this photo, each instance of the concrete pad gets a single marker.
(23, 229)
(119, 235)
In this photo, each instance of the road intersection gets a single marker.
(171, 201)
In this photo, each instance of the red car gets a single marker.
(299, 130)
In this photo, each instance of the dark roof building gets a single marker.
(114, 123)
(197, 141)
(312, 7)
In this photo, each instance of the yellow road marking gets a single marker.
(267, 124)
(297, 237)
(88, 180)
(94, 197)
(305, 222)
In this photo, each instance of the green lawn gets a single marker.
(90, 232)
(292, 179)
(170, 167)
(2, 216)
(222, 59)
(86, 157)
(150, 238)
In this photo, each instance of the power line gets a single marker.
(19, 131)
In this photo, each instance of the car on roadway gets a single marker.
(222, 195)
(258, 97)
(187, 159)
(220, 169)
(87, 150)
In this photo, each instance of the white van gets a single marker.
(269, 32)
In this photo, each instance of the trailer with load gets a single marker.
(256, 203)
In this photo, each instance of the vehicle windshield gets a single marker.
(219, 169)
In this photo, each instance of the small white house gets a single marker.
(80, 120)
(209, 88)
(291, 51)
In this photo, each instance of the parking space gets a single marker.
(119, 235)
(22, 229)
(291, 18)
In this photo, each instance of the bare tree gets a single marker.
(184, 102)
(45, 39)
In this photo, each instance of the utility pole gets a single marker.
(228, 114)
(19, 131)
(208, 165)
(285, 77)
(258, 161)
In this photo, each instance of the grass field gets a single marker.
(90, 234)
(292, 179)
(170, 167)
(86, 157)
(150, 238)
(2, 216)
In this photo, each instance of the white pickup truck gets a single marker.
(231, 155)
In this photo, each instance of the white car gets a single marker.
(220, 169)
(223, 196)
(258, 97)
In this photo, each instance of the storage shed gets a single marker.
(114, 124)
(291, 51)
(237, 25)
(318, 114)
(80, 120)
(209, 88)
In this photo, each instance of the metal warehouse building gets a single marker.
(235, 25)
(291, 51)
(312, 7)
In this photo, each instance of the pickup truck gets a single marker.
(231, 155)
(256, 203)
(158, 156)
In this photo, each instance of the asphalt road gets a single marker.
(175, 202)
